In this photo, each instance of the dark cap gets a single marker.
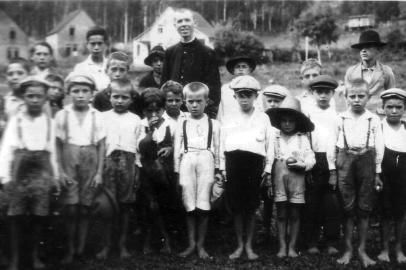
(323, 82)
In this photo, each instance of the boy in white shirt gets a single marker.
(393, 199)
(28, 167)
(292, 158)
(173, 103)
(120, 174)
(80, 141)
(360, 152)
(196, 154)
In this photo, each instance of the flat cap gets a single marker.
(32, 80)
(323, 82)
(276, 90)
(80, 77)
(393, 93)
(245, 82)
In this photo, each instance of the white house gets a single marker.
(163, 32)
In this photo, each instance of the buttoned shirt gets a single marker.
(97, 70)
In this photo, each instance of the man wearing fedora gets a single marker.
(155, 60)
(378, 76)
(192, 61)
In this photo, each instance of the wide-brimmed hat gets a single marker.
(290, 106)
(369, 37)
(245, 82)
(323, 82)
(240, 58)
(156, 51)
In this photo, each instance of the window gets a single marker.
(160, 29)
(75, 47)
(67, 50)
(12, 35)
(138, 49)
(71, 31)
(13, 52)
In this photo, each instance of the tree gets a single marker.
(319, 24)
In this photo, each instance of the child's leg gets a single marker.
(124, 219)
(281, 211)
(363, 233)
(238, 225)
(83, 225)
(267, 212)
(191, 232)
(348, 229)
(203, 218)
(385, 237)
(107, 233)
(36, 232)
(71, 213)
(15, 228)
(399, 229)
(294, 224)
(250, 227)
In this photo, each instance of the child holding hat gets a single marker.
(377, 75)
(245, 142)
(393, 199)
(292, 157)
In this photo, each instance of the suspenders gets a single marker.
(20, 131)
(345, 137)
(209, 136)
(92, 131)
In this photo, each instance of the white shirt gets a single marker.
(394, 139)
(307, 99)
(247, 133)
(174, 122)
(356, 130)
(12, 105)
(97, 70)
(34, 136)
(122, 130)
(197, 131)
(40, 73)
(79, 133)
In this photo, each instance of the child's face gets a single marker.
(157, 64)
(41, 57)
(308, 75)
(173, 103)
(394, 109)
(55, 91)
(34, 98)
(242, 68)
(369, 54)
(117, 69)
(288, 124)
(323, 97)
(153, 112)
(357, 98)
(81, 95)
(96, 46)
(271, 102)
(120, 98)
(15, 74)
(246, 99)
(196, 102)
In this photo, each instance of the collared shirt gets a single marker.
(33, 136)
(90, 131)
(307, 99)
(252, 133)
(12, 105)
(174, 122)
(40, 73)
(122, 130)
(394, 139)
(367, 72)
(98, 71)
(197, 132)
(356, 131)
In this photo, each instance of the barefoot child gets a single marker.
(81, 149)
(360, 151)
(56, 93)
(196, 159)
(393, 198)
(245, 142)
(120, 174)
(28, 168)
(322, 208)
(293, 157)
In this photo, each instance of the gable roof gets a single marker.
(7, 20)
(68, 18)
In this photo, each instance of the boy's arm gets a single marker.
(178, 141)
(391, 79)
(222, 158)
(8, 146)
(309, 157)
(270, 155)
(379, 144)
(101, 152)
(53, 153)
(216, 144)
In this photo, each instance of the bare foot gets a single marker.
(313, 250)
(292, 253)
(124, 254)
(384, 256)
(346, 258)
(400, 257)
(68, 259)
(202, 253)
(332, 250)
(187, 251)
(251, 254)
(282, 253)
(237, 253)
(37, 263)
(365, 260)
(166, 249)
(103, 254)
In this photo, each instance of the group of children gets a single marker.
(100, 159)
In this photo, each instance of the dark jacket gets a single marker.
(148, 81)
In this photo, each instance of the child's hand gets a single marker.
(266, 179)
(56, 187)
(153, 121)
(378, 182)
(298, 165)
(165, 152)
(97, 181)
(136, 177)
(64, 180)
(224, 174)
(269, 192)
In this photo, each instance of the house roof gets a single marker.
(68, 18)
(7, 20)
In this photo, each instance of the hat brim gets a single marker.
(303, 124)
(232, 62)
(148, 59)
(371, 43)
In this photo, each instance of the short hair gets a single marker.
(123, 83)
(309, 64)
(356, 83)
(153, 95)
(21, 61)
(172, 86)
(99, 31)
(183, 10)
(194, 87)
(55, 78)
(43, 44)
(120, 56)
